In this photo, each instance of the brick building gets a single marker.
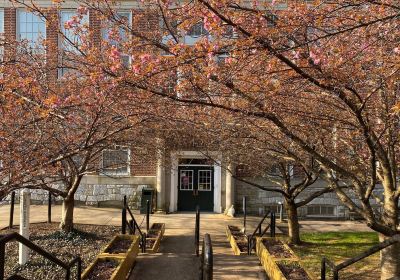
(181, 178)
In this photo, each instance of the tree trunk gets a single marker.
(67, 215)
(293, 222)
(390, 261)
(390, 256)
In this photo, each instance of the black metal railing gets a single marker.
(197, 231)
(11, 222)
(336, 268)
(132, 225)
(17, 237)
(207, 259)
(259, 232)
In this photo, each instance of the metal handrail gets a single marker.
(207, 259)
(337, 267)
(271, 226)
(132, 225)
(197, 231)
(17, 237)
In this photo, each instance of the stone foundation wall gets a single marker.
(93, 195)
(258, 201)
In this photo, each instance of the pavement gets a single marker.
(176, 258)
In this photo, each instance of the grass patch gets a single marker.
(339, 246)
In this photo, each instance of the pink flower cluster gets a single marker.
(74, 21)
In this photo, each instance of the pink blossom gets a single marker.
(82, 10)
(145, 58)
(68, 24)
(228, 60)
(114, 53)
(315, 58)
(207, 24)
(136, 68)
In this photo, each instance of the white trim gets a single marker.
(175, 156)
(217, 187)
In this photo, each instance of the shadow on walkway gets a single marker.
(175, 261)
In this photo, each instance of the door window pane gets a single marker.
(204, 180)
(186, 180)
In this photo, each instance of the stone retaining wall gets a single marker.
(259, 200)
(92, 195)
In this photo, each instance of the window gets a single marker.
(31, 28)
(186, 180)
(116, 161)
(204, 180)
(120, 35)
(1, 33)
(198, 30)
(321, 210)
(271, 20)
(71, 39)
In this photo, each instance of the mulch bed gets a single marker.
(153, 234)
(119, 246)
(156, 226)
(150, 243)
(103, 270)
(240, 237)
(276, 248)
(86, 241)
(293, 271)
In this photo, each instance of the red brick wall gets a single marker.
(52, 44)
(143, 162)
(95, 27)
(10, 31)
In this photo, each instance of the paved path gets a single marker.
(176, 259)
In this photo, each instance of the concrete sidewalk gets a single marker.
(176, 259)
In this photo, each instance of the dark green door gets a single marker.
(196, 187)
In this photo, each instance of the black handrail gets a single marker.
(336, 268)
(17, 237)
(207, 259)
(132, 225)
(10, 225)
(261, 233)
(197, 231)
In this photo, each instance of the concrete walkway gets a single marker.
(176, 259)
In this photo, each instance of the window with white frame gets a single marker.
(116, 161)
(72, 27)
(186, 180)
(1, 34)
(205, 180)
(31, 28)
(115, 34)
